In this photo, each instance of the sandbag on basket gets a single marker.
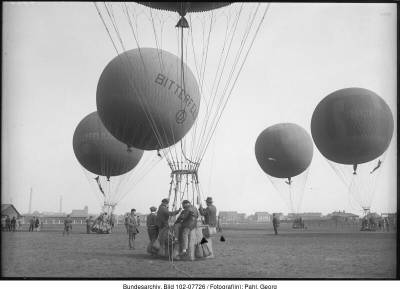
(205, 249)
(198, 251)
(156, 245)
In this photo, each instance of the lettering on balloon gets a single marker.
(171, 85)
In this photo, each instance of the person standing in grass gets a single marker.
(132, 229)
(186, 222)
(163, 214)
(275, 223)
(67, 225)
(13, 223)
(151, 223)
(8, 224)
(37, 224)
(126, 222)
(209, 213)
(89, 223)
(31, 224)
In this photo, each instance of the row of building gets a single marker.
(78, 216)
(225, 217)
(233, 217)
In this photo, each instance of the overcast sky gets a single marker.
(54, 53)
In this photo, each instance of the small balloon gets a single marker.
(101, 153)
(284, 150)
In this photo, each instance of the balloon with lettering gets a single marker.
(101, 153)
(143, 100)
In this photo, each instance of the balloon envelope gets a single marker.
(101, 153)
(142, 102)
(284, 150)
(352, 126)
(183, 7)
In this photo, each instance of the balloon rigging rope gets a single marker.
(105, 25)
(235, 80)
(141, 177)
(133, 178)
(219, 77)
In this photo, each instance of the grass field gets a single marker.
(249, 252)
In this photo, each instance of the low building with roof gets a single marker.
(231, 217)
(343, 216)
(10, 211)
(262, 217)
(79, 216)
(306, 216)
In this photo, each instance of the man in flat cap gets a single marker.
(163, 214)
(151, 223)
(209, 213)
(187, 221)
(132, 228)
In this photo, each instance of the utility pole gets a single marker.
(30, 202)
(61, 199)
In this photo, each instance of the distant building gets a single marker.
(343, 216)
(79, 216)
(262, 217)
(10, 211)
(232, 217)
(280, 216)
(306, 216)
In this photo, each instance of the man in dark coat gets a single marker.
(8, 223)
(31, 224)
(13, 223)
(163, 214)
(152, 225)
(188, 221)
(89, 223)
(133, 228)
(67, 225)
(275, 223)
(37, 222)
(209, 213)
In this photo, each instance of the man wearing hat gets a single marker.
(151, 223)
(209, 213)
(163, 214)
(133, 228)
(187, 221)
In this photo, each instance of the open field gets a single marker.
(249, 252)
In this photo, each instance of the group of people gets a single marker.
(103, 224)
(298, 223)
(34, 224)
(369, 223)
(158, 220)
(10, 224)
